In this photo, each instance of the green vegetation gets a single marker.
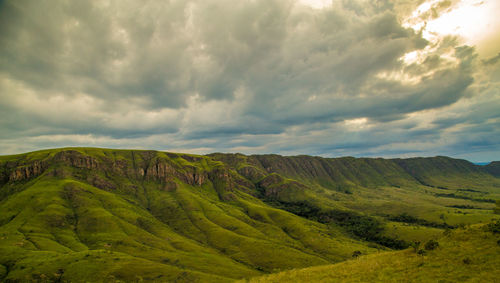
(89, 214)
(464, 255)
(406, 218)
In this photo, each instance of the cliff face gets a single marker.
(178, 216)
(328, 172)
(204, 213)
(146, 166)
(28, 171)
(349, 172)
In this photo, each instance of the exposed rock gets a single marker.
(222, 179)
(28, 171)
(76, 159)
(192, 176)
(158, 171)
(151, 168)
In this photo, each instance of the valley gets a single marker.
(91, 214)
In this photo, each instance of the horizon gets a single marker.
(388, 79)
(480, 163)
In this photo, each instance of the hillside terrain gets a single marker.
(88, 214)
(465, 255)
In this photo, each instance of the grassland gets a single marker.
(89, 214)
(464, 255)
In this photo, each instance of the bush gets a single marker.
(415, 245)
(494, 227)
(406, 218)
(431, 245)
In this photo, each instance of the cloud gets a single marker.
(256, 76)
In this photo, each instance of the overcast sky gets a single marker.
(395, 78)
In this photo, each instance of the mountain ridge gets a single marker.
(219, 217)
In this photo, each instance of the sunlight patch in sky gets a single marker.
(321, 77)
(475, 22)
(317, 4)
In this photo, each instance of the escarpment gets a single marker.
(27, 171)
(143, 166)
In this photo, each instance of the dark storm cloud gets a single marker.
(255, 76)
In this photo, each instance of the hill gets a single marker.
(464, 255)
(493, 168)
(89, 214)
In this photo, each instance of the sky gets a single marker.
(386, 78)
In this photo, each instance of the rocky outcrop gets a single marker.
(223, 183)
(27, 171)
(164, 171)
(221, 178)
(192, 177)
(24, 170)
(157, 171)
(76, 159)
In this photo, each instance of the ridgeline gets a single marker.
(89, 214)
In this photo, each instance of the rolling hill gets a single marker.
(466, 255)
(89, 214)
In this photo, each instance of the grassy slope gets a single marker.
(60, 226)
(110, 214)
(425, 188)
(465, 255)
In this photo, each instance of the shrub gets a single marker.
(415, 245)
(493, 227)
(431, 245)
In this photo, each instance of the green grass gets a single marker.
(411, 233)
(91, 214)
(465, 255)
(59, 223)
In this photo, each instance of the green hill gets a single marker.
(88, 214)
(95, 214)
(493, 168)
(464, 255)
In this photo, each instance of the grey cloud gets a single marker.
(228, 74)
(493, 60)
